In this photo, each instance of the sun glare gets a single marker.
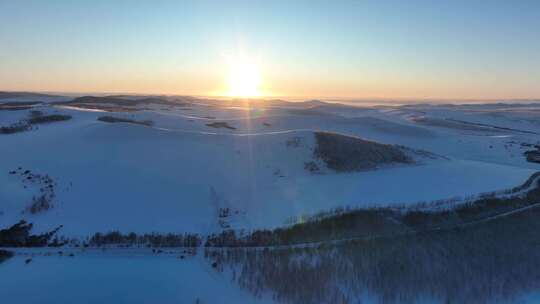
(244, 79)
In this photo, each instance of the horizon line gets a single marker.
(286, 97)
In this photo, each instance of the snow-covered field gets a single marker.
(204, 156)
(135, 276)
(174, 176)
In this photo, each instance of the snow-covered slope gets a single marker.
(176, 175)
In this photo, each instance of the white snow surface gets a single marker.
(117, 277)
(175, 175)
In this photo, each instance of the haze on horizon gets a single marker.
(350, 49)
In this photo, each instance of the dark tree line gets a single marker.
(40, 119)
(492, 262)
(19, 235)
(376, 222)
(112, 119)
(35, 118)
(147, 239)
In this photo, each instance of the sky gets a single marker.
(326, 49)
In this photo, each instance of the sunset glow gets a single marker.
(351, 50)
(243, 79)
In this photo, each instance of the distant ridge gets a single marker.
(6, 94)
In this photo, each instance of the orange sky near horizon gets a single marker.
(350, 50)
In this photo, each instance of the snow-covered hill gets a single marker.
(198, 158)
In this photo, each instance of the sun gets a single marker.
(243, 78)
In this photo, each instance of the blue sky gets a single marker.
(349, 49)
